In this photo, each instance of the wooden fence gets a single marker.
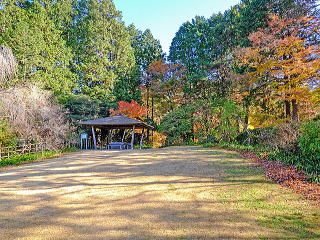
(8, 152)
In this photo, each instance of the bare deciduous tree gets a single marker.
(8, 65)
(33, 114)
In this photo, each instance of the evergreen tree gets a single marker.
(252, 16)
(147, 49)
(38, 45)
(195, 48)
(126, 88)
(202, 43)
(192, 46)
(102, 46)
(294, 8)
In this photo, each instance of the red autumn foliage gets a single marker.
(131, 110)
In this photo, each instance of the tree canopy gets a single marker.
(256, 65)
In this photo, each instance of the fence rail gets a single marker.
(8, 152)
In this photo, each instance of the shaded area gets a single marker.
(173, 193)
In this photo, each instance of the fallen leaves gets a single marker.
(287, 176)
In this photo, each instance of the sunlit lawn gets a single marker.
(273, 207)
(172, 193)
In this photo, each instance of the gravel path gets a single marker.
(172, 193)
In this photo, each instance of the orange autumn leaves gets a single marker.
(281, 63)
(161, 91)
(158, 68)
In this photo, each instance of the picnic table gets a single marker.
(119, 145)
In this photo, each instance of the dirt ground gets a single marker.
(172, 193)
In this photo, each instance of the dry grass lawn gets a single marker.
(173, 193)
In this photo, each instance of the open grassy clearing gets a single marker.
(172, 193)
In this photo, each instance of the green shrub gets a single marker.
(228, 115)
(178, 125)
(309, 140)
(286, 157)
(7, 138)
(209, 139)
(309, 145)
(304, 152)
(17, 160)
(255, 136)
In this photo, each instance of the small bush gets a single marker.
(309, 145)
(159, 140)
(7, 138)
(257, 136)
(209, 139)
(285, 137)
(228, 117)
(300, 148)
(178, 125)
(18, 160)
(280, 138)
(309, 140)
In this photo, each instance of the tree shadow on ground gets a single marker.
(174, 193)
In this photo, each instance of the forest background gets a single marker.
(248, 76)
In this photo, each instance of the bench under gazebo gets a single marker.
(116, 122)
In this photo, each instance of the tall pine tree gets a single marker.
(146, 50)
(37, 44)
(102, 46)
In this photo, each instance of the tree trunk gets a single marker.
(152, 108)
(192, 128)
(148, 95)
(246, 118)
(295, 111)
(287, 109)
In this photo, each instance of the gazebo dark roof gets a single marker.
(113, 122)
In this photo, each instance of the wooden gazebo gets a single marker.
(116, 122)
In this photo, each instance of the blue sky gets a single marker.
(164, 17)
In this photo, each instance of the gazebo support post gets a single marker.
(108, 137)
(132, 137)
(124, 133)
(94, 138)
(141, 139)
